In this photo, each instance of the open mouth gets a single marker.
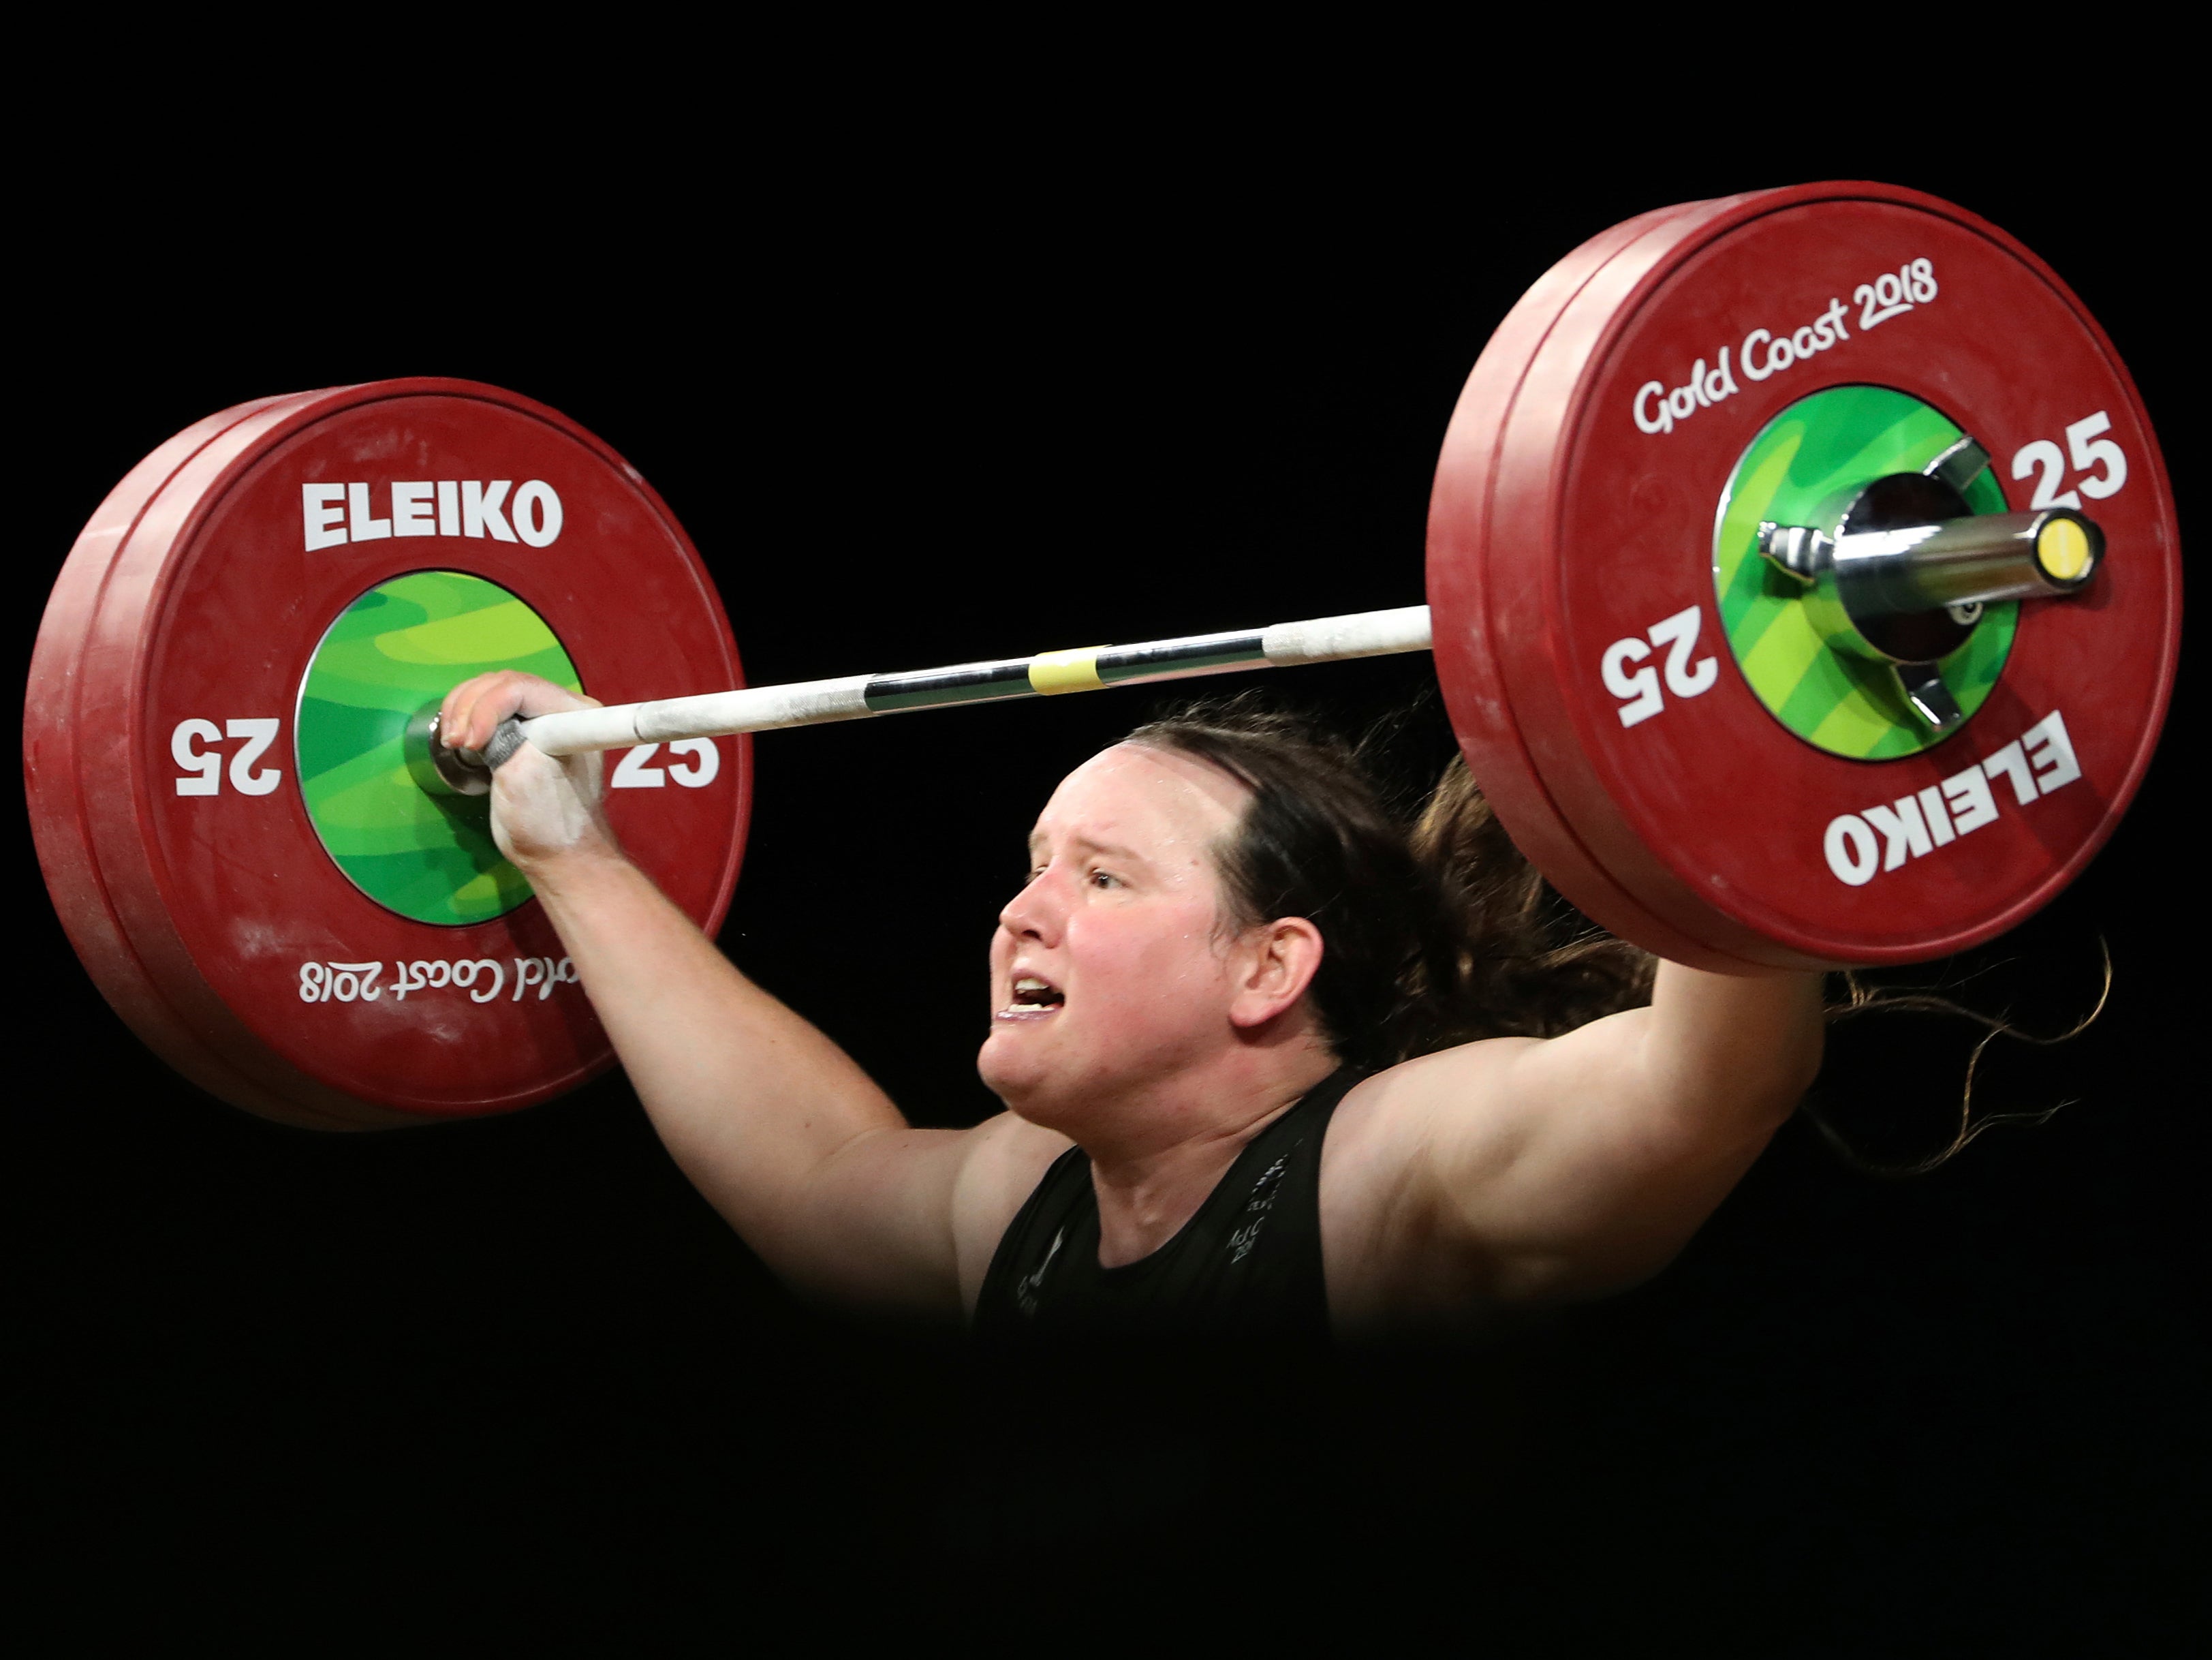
(1034, 998)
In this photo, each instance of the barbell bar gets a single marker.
(855, 697)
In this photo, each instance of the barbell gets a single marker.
(1739, 614)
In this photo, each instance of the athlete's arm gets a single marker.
(781, 1131)
(1519, 1168)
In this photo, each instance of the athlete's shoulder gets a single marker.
(1389, 1116)
(1377, 1164)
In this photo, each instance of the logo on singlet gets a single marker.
(1027, 1287)
(1257, 1208)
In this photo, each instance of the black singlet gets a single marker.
(1247, 1265)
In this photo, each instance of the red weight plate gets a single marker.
(1459, 512)
(251, 938)
(1713, 815)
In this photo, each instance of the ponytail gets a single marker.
(1528, 964)
(1433, 934)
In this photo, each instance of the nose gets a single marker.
(1035, 913)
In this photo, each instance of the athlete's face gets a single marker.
(1106, 969)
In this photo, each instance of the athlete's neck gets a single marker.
(1149, 1183)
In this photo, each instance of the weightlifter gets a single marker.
(1248, 1035)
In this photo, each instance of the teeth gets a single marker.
(1028, 984)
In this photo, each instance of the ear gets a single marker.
(1275, 962)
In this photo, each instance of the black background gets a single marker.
(954, 398)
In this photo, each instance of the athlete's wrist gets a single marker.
(592, 859)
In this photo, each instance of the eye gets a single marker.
(1100, 878)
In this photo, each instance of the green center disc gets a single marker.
(389, 657)
(1803, 469)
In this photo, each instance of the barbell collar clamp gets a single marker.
(1931, 700)
(1797, 550)
(1959, 465)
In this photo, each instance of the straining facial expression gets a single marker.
(1108, 968)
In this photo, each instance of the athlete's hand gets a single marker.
(541, 808)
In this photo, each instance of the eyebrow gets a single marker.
(1112, 849)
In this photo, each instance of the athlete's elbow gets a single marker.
(1743, 1074)
(1791, 1072)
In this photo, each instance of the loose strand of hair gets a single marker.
(1863, 999)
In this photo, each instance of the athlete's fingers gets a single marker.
(472, 711)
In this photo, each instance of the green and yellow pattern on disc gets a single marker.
(390, 655)
(1803, 469)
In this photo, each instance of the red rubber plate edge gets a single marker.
(1462, 513)
(54, 792)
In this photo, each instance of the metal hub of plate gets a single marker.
(219, 760)
(1659, 723)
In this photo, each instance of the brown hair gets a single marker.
(1435, 932)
